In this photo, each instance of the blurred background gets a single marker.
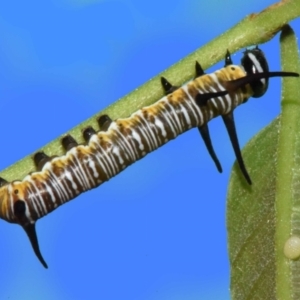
(158, 229)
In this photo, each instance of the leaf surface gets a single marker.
(261, 217)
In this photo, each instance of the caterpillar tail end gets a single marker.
(31, 233)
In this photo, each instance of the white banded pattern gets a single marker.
(125, 141)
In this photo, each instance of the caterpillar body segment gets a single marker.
(120, 143)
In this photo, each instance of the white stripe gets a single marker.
(125, 143)
(194, 107)
(257, 66)
(160, 124)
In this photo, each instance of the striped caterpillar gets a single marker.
(121, 142)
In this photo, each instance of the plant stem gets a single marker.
(288, 178)
(252, 30)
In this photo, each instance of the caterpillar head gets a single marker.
(254, 62)
(257, 73)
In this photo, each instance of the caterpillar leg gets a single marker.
(40, 159)
(68, 142)
(88, 132)
(206, 138)
(230, 126)
(104, 122)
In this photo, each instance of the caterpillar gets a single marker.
(121, 142)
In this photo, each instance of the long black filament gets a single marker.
(230, 126)
(31, 233)
(204, 131)
(233, 85)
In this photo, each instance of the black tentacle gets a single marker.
(31, 233)
(20, 211)
(201, 99)
(230, 126)
(204, 131)
(234, 85)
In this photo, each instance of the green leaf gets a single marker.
(261, 217)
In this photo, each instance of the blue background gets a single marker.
(157, 230)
